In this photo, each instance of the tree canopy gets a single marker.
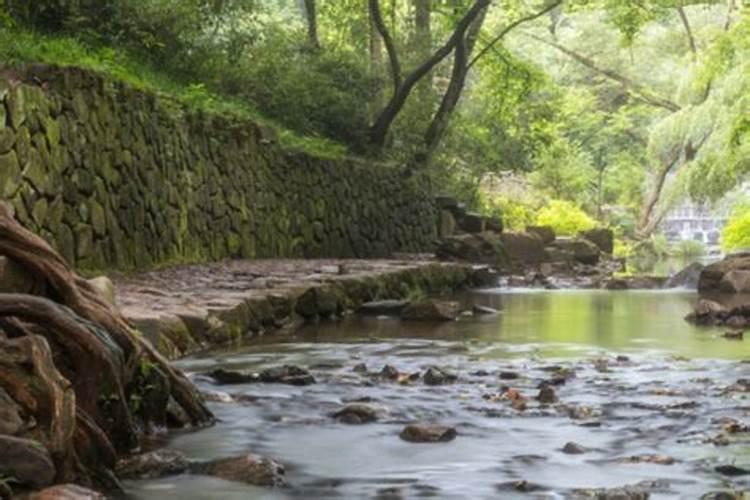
(621, 107)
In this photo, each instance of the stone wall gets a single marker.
(118, 178)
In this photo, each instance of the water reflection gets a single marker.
(559, 321)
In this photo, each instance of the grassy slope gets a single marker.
(19, 47)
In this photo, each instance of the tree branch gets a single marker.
(379, 129)
(688, 31)
(511, 26)
(639, 90)
(390, 46)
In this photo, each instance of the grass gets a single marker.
(20, 47)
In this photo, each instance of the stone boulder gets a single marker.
(486, 248)
(383, 308)
(602, 237)
(357, 413)
(711, 279)
(735, 281)
(154, 464)
(583, 251)
(523, 248)
(249, 468)
(105, 287)
(471, 223)
(494, 224)
(431, 310)
(686, 278)
(546, 233)
(428, 433)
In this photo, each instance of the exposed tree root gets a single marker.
(112, 368)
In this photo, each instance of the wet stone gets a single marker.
(480, 310)
(431, 310)
(231, 377)
(572, 448)
(522, 486)
(438, 376)
(546, 395)
(356, 413)
(428, 433)
(383, 308)
(287, 374)
(249, 469)
(154, 464)
(389, 373)
(360, 368)
(507, 375)
(731, 470)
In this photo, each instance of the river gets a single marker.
(669, 393)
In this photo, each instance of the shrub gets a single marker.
(690, 248)
(516, 215)
(736, 234)
(565, 218)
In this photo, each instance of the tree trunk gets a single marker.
(381, 126)
(422, 42)
(312, 24)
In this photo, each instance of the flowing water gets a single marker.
(669, 393)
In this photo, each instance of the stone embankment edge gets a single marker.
(178, 334)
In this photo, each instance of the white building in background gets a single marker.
(702, 222)
(697, 222)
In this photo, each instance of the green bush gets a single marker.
(736, 234)
(565, 218)
(516, 215)
(689, 248)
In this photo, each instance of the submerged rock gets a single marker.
(356, 414)
(287, 374)
(484, 310)
(431, 310)
(731, 470)
(428, 433)
(546, 395)
(383, 308)
(572, 448)
(249, 468)
(438, 376)
(521, 486)
(154, 464)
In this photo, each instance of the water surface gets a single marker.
(667, 396)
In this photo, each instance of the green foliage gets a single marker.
(736, 233)
(516, 215)
(565, 218)
(689, 249)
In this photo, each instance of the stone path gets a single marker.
(185, 308)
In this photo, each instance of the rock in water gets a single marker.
(287, 374)
(428, 433)
(155, 464)
(356, 414)
(484, 310)
(431, 310)
(231, 377)
(250, 469)
(546, 395)
(572, 448)
(438, 376)
(383, 308)
(66, 492)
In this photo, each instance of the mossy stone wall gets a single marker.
(118, 178)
